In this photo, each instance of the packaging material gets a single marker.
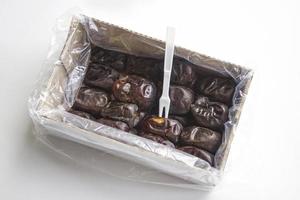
(52, 103)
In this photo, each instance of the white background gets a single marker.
(264, 35)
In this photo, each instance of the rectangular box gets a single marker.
(56, 93)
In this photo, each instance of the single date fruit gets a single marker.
(201, 137)
(167, 128)
(183, 73)
(218, 89)
(135, 89)
(181, 99)
(91, 100)
(101, 76)
(209, 114)
(125, 112)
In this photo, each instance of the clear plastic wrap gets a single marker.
(65, 70)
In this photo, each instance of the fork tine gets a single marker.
(167, 110)
(161, 108)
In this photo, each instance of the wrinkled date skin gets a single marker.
(82, 114)
(101, 76)
(209, 114)
(146, 67)
(183, 73)
(108, 58)
(200, 153)
(181, 99)
(218, 89)
(135, 89)
(125, 112)
(168, 128)
(157, 138)
(115, 124)
(202, 138)
(91, 100)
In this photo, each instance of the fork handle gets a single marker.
(168, 62)
(166, 84)
(169, 49)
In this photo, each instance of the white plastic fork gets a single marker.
(164, 101)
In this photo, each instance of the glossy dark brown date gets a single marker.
(181, 99)
(91, 100)
(168, 128)
(115, 124)
(125, 112)
(200, 153)
(219, 89)
(209, 114)
(183, 73)
(202, 138)
(135, 89)
(157, 138)
(101, 76)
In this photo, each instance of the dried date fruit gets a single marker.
(209, 114)
(201, 137)
(181, 99)
(115, 124)
(91, 100)
(183, 73)
(125, 112)
(218, 89)
(101, 76)
(168, 128)
(146, 67)
(135, 89)
(109, 58)
(157, 138)
(200, 153)
(82, 114)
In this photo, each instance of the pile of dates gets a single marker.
(123, 91)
